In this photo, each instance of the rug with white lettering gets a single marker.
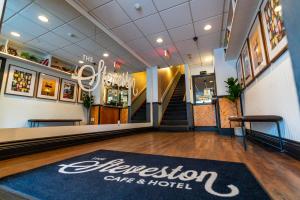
(112, 175)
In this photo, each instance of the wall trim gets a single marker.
(169, 86)
(290, 147)
(19, 148)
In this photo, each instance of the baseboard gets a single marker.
(226, 131)
(290, 147)
(14, 149)
(206, 128)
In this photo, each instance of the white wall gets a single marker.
(274, 93)
(223, 70)
(195, 70)
(16, 110)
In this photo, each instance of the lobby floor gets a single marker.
(278, 173)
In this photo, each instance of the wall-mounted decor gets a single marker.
(257, 49)
(20, 81)
(48, 87)
(68, 91)
(81, 94)
(246, 63)
(2, 68)
(275, 32)
(240, 73)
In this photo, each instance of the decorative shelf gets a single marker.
(240, 17)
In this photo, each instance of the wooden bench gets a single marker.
(36, 122)
(258, 118)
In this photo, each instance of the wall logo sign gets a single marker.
(103, 77)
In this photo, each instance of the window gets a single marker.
(204, 88)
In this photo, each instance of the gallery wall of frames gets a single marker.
(35, 92)
(266, 41)
(266, 73)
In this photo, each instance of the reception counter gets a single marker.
(104, 114)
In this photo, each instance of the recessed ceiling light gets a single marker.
(43, 18)
(80, 62)
(105, 55)
(15, 34)
(159, 40)
(208, 59)
(207, 27)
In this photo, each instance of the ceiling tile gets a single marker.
(23, 25)
(60, 9)
(66, 55)
(147, 8)
(202, 9)
(127, 32)
(34, 10)
(140, 44)
(186, 46)
(17, 5)
(111, 14)
(25, 36)
(46, 46)
(165, 4)
(65, 30)
(215, 22)
(91, 46)
(182, 33)
(8, 14)
(151, 24)
(104, 40)
(209, 42)
(55, 39)
(164, 35)
(83, 25)
(92, 4)
(177, 16)
(75, 50)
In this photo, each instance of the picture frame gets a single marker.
(20, 81)
(240, 72)
(2, 68)
(48, 87)
(246, 64)
(273, 28)
(68, 91)
(80, 95)
(257, 48)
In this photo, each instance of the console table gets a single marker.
(36, 122)
(258, 118)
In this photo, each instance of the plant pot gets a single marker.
(238, 131)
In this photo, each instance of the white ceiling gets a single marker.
(176, 21)
(52, 37)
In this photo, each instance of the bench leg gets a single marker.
(244, 138)
(280, 138)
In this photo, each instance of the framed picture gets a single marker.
(240, 73)
(81, 94)
(20, 81)
(2, 68)
(257, 48)
(68, 91)
(274, 30)
(48, 87)
(246, 63)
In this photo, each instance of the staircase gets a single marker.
(140, 115)
(175, 116)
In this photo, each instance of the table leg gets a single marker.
(279, 136)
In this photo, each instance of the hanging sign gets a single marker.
(107, 78)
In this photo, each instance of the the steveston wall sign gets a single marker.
(103, 77)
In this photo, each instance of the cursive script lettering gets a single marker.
(107, 78)
(118, 166)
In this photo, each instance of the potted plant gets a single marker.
(234, 93)
(88, 101)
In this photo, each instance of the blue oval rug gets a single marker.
(112, 175)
